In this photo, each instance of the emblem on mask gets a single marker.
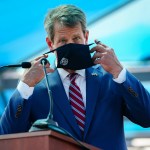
(64, 61)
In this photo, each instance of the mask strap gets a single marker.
(91, 44)
(49, 51)
(56, 49)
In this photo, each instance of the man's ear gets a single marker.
(49, 42)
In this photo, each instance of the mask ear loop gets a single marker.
(50, 52)
(91, 44)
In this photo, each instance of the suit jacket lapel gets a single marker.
(92, 88)
(61, 100)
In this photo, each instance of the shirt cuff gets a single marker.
(121, 77)
(24, 90)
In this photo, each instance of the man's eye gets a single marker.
(76, 38)
(63, 41)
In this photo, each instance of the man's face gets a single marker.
(64, 35)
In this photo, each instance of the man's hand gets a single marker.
(106, 57)
(35, 74)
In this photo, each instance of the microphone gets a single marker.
(43, 124)
(49, 123)
(23, 65)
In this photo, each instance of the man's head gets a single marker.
(65, 24)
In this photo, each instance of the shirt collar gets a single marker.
(63, 73)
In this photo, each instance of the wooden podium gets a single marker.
(41, 140)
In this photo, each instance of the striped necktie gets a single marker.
(76, 102)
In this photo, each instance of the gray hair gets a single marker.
(67, 15)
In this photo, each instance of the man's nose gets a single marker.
(70, 41)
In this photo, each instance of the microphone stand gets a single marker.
(49, 123)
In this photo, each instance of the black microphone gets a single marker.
(49, 123)
(43, 124)
(23, 65)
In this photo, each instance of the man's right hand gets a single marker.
(35, 74)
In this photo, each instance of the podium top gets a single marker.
(45, 133)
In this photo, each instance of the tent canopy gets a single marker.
(22, 34)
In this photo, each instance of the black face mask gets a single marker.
(74, 56)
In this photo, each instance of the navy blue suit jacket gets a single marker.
(106, 104)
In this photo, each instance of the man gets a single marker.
(106, 91)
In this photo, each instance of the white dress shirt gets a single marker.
(80, 81)
(26, 91)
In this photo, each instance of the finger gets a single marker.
(100, 43)
(49, 70)
(36, 59)
(45, 55)
(98, 48)
(39, 63)
(102, 48)
(97, 41)
(48, 64)
(98, 56)
(40, 57)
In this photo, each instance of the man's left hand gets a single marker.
(106, 57)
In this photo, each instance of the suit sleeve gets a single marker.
(136, 101)
(16, 115)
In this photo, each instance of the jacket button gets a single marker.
(132, 92)
(19, 109)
